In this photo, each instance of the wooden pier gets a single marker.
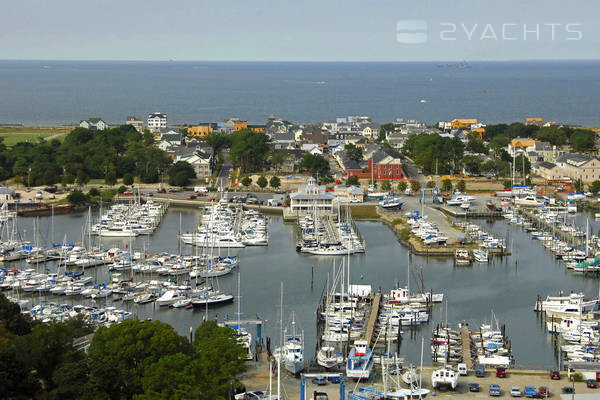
(465, 337)
(460, 213)
(373, 318)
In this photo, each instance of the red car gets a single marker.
(543, 392)
(500, 372)
(555, 375)
(161, 191)
(127, 193)
(192, 197)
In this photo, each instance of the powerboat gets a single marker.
(360, 361)
(444, 377)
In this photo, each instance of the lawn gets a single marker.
(16, 134)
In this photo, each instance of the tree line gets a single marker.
(131, 360)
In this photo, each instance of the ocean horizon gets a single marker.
(43, 92)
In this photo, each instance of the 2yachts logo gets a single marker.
(415, 31)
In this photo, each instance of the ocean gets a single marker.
(64, 92)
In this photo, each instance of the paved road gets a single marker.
(411, 170)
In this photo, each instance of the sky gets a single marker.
(299, 30)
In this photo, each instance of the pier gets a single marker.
(465, 336)
(373, 318)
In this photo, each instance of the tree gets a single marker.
(120, 355)
(555, 136)
(595, 186)
(315, 164)
(472, 164)
(415, 185)
(461, 186)
(475, 145)
(583, 140)
(93, 192)
(384, 130)
(218, 141)
(12, 318)
(522, 165)
(82, 178)
(181, 173)
(430, 184)
(507, 184)
(77, 197)
(278, 158)
(128, 179)
(578, 185)
(262, 182)
(246, 181)
(111, 176)
(386, 186)
(49, 177)
(434, 153)
(402, 186)
(446, 185)
(274, 182)
(249, 150)
(353, 152)
(353, 181)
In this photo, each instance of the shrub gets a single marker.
(128, 179)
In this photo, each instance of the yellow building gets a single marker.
(459, 123)
(239, 125)
(257, 128)
(200, 131)
(522, 143)
(533, 121)
(477, 133)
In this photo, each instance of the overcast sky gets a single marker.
(298, 30)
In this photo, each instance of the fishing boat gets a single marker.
(391, 203)
(328, 358)
(360, 361)
(462, 257)
(481, 256)
(528, 201)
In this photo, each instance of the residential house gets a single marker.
(283, 141)
(137, 123)
(169, 137)
(349, 192)
(310, 197)
(257, 128)
(94, 124)
(547, 170)
(397, 139)
(311, 148)
(579, 166)
(157, 121)
(201, 159)
(460, 123)
(534, 121)
(202, 130)
(313, 135)
(6, 194)
(292, 161)
(520, 145)
(381, 166)
(370, 131)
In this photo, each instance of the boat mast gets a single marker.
(280, 343)
(421, 369)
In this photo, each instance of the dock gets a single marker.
(373, 318)
(460, 213)
(465, 337)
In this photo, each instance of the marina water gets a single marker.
(509, 287)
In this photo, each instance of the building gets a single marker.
(534, 121)
(547, 170)
(6, 194)
(201, 159)
(202, 130)
(156, 121)
(370, 131)
(94, 124)
(311, 196)
(579, 166)
(257, 128)
(283, 141)
(460, 123)
(349, 192)
(520, 144)
(381, 166)
(137, 123)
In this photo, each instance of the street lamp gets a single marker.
(29, 177)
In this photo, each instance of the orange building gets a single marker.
(459, 123)
(477, 133)
(201, 130)
(257, 128)
(239, 125)
(533, 121)
(522, 143)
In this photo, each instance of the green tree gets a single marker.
(353, 181)
(475, 145)
(461, 186)
(507, 184)
(121, 354)
(472, 164)
(218, 141)
(386, 186)
(82, 178)
(315, 164)
(262, 182)
(415, 185)
(402, 186)
(274, 182)
(430, 184)
(77, 197)
(434, 153)
(246, 181)
(446, 185)
(249, 150)
(522, 165)
(595, 186)
(49, 177)
(68, 179)
(278, 158)
(181, 173)
(384, 130)
(583, 140)
(128, 179)
(353, 152)
(578, 185)
(93, 192)
(111, 176)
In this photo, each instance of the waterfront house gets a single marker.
(310, 197)
(370, 131)
(156, 121)
(349, 192)
(579, 166)
(94, 124)
(137, 123)
(6, 194)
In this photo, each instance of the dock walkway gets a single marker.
(466, 346)
(373, 318)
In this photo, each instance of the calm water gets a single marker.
(64, 92)
(507, 287)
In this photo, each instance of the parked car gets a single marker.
(473, 387)
(515, 392)
(495, 390)
(543, 392)
(530, 391)
(334, 379)
(479, 371)
(462, 370)
(279, 191)
(127, 193)
(500, 372)
(319, 380)
(161, 190)
(591, 383)
(192, 197)
(555, 375)
(568, 390)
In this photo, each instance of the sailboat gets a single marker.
(292, 350)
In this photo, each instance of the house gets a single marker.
(381, 166)
(349, 192)
(397, 139)
(202, 161)
(156, 121)
(579, 166)
(313, 135)
(257, 128)
(547, 170)
(311, 148)
(460, 123)
(370, 131)
(283, 141)
(291, 161)
(202, 130)
(6, 194)
(310, 197)
(170, 137)
(137, 123)
(94, 124)
(520, 145)
(534, 121)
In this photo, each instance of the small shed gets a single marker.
(6, 194)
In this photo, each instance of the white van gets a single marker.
(462, 370)
(200, 189)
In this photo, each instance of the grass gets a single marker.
(16, 134)
(364, 211)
